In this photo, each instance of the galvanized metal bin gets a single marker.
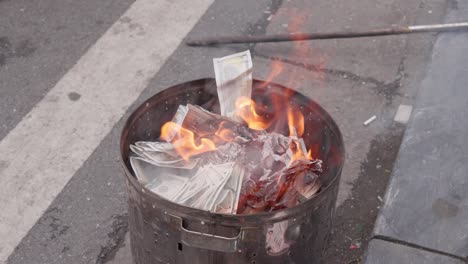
(165, 232)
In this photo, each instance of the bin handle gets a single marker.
(205, 240)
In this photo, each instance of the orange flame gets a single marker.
(298, 154)
(245, 108)
(184, 141)
(295, 122)
(309, 154)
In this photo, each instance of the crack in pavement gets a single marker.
(260, 26)
(416, 246)
(116, 239)
(57, 228)
(388, 89)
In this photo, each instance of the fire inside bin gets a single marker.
(251, 158)
(232, 171)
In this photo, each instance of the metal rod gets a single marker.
(331, 35)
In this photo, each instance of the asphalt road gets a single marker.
(51, 51)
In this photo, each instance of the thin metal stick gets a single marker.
(331, 35)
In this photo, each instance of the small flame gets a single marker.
(298, 154)
(246, 110)
(295, 122)
(184, 140)
(309, 154)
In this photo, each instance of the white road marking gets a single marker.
(43, 152)
(403, 114)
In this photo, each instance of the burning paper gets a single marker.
(229, 163)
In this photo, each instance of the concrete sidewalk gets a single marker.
(425, 214)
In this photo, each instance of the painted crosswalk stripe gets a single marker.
(40, 155)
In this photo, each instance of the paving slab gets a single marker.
(384, 252)
(426, 203)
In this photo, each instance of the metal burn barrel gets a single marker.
(164, 232)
